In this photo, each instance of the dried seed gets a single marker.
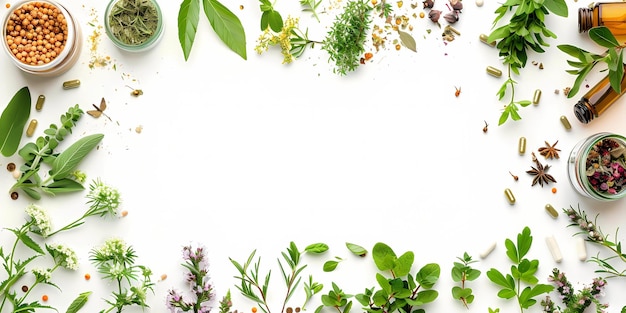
(16, 174)
(565, 122)
(537, 96)
(70, 84)
(550, 209)
(11, 167)
(31, 127)
(521, 146)
(486, 128)
(509, 195)
(483, 38)
(494, 71)
(581, 248)
(40, 100)
(15, 195)
(488, 251)
(24, 288)
(554, 249)
(479, 3)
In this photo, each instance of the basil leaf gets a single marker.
(79, 302)
(13, 120)
(188, 17)
(67, 161)
(227, 26)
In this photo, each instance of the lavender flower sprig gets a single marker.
(575, 302)
(594, 234)
(198, 280)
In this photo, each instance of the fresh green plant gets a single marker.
(356, 249)
(116, 261)
(522, 33)
(63, 165)
(575, 301)
(462, 272)
(39, 223)
(197, 276)
(270, 18)
(522, 273)
(225, 24)
(226, 303)
(402, 292)
(292, 41)
(336, 299)
(346, 39)
(586, 61)
(311, 288)
(256, 290)
(331, 265)
(13, 120)
(311, 6)
(594, 234)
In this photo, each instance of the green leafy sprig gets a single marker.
(115, 260)
(254, 287)
(402, 292)
(311, 6)
(574, 301)
(270, 17)
(525, 31)
(346, 39)
(224, 22)
(62, 165)
(336, 299)
(291, 39)
(13, 120)
(522, 273)
(592, 232)
(585, 61)
(462, 272)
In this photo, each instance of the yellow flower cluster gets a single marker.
(269, 38)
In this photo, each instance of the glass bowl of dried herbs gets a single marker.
(134, 25)
(597, 166)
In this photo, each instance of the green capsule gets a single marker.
(565, 122)
(70, 84)
(494, 71)
(39, 103)
(31, 127)
(550, 209)
(509, 195)
(521, 146)
(537, 96)
(483, 38)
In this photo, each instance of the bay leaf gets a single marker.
(408, 40)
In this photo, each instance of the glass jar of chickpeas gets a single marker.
(41, 37)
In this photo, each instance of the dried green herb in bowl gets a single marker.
(134, 25)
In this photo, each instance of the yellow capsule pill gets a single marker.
(70, 84)
(537, 96)
(550, 209)
(565, 122)
(521, 146)
(31, 128)
(484, 39)
(509, 195)
(494, 71)
(39, 104)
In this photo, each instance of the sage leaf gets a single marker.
(13, 121)
(68, 160)
(356, 249)
(558, 7)
(227, 26)
(603, 37)
(64, 185)
(408, 40)
(188, 17)
(330, 266)
(79, 302)
(316, 248)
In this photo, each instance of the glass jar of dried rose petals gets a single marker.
(41, 37)
(597, 166)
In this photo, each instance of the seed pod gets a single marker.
(434, 15)
(451, 17)
(456, 5)
(428, 4)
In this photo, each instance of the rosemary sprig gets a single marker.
(594, 234)
(523, 33)
(586, 61)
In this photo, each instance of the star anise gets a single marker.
(540, 174)
(550, 151)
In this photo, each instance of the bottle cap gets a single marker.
(584, 19)
(583, 112)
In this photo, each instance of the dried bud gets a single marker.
(434, 15)
(451, 17)
(457, 5)
(428, 4)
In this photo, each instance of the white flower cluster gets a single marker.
(64, 256)
(40, 218)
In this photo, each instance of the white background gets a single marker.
(238, 155)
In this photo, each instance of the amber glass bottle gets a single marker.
(599, 98)
(609, 14)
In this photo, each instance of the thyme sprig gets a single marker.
(585, 61)
(594, 234)
(524, 32)
(346, 39)
(574, 301)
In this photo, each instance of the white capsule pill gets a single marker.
(488, 251)
(554, 249)
(581, 248)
